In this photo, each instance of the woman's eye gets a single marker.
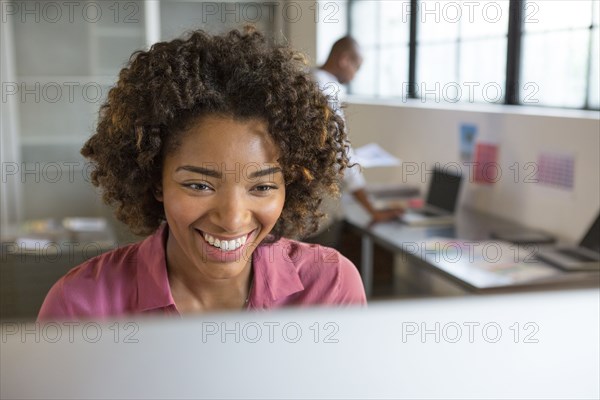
(264, 188)
(197, 186)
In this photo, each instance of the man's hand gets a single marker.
(376, 215)
(386, 215)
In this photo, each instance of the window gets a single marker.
(556, 42)
(513, 52)
(461, 53)
(385, 46)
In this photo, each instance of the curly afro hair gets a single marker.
(163, 90)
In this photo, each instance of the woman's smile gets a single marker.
(226, 244)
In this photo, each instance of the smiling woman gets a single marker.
(221, 149)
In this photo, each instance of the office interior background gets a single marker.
(523, 73)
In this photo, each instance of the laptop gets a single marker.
(440, 203)
(585, 257)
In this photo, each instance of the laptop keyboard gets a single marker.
(575, 255)
(428, 213)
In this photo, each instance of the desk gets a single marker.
(31, 262)
(470, 225)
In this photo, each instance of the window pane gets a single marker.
(365, 81)
(436, 68)
(364, 29)
(328, 31)
(551, 15)
(395, 22)
(393, 71)
(554, 68)
(594, 100)
(487, 18)
(435, 24)
(482, 71)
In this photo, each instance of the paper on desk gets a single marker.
(483, 263)
(372, 155)
(85, 224)
(32, 244)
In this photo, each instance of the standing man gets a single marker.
(341, 66)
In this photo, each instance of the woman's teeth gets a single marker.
(225, 245)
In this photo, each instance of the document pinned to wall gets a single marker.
(485, 167)
(372, 155)
(468, 134)
(556, 169)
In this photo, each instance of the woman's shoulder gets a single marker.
(106, 284)
(304, 255)
(323, 271)
(106, 268)
(84, 289)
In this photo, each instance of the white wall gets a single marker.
(300, 27)
(419, 133)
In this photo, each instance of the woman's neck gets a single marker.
(193, 291)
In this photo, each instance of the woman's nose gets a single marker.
(232, 213)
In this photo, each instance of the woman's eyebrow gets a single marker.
(263, 172)
(217, 174)
(200, 170)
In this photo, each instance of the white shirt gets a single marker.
(332, 88)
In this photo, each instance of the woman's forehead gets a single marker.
(219, 140)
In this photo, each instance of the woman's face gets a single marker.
(223, 191)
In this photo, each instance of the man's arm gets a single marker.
(376, 215)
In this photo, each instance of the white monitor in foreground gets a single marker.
(536, 345)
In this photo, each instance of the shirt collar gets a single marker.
(275, 273)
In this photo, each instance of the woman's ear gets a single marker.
(158, 194)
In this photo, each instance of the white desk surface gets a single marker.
(474, 228)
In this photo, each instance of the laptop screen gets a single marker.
(443, 190)
(592, 237)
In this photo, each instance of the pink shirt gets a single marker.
(133, 280)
